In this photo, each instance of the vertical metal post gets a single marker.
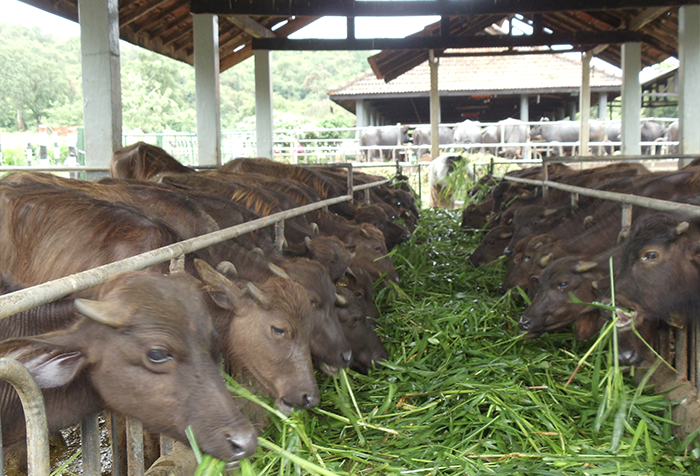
(351, 181)
(420, 186)
(368, 199)
(681, 363)
(545, 177)
(90, 436)
(626, 220)
(574, 201)
(433, 61)
(279, 235)
(134, 447)
(166, 445)
(696, 356)
(491, 167)
(115, 444)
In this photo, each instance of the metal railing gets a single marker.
(28, 298)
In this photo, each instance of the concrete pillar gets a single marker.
(602, 106)
(360, 116)
(102, 91)
(434, 105)
(689, 81)
(206, 76)
(264, 128)
(571, 105)
(631, 98)
(524, 108)
(585, 104)
(561, 113)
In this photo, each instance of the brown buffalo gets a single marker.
(142, 348)
(394, 234)
(142, 161)
(360, 283)
(367, 349)
(492, 245)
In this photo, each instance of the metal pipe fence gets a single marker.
(28, 298)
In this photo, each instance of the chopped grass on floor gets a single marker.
(465, 393)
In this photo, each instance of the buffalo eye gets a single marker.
(563, 285)
(491, 242)
(650, 256)
(358, 319)
(358, 294)
(159, 356)
(377, 248)
(278, 331)
(527, 258)
(535, 280)
(314, 304)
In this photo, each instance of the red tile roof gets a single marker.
(487, 74)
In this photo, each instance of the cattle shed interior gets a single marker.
(464, 392)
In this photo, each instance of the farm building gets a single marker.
(467, 383)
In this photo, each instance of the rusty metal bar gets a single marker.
(545, 179)
(167, 445)
(134, 447)
(368, 199)
(90, 437)
(365, 186)
(351, 184)
(681, 363)
(32, 400)
(115, 444)
(626, 227)
(574, 201)
(52, 168)
(654, 203)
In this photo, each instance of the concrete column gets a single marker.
(689, 81)
(360, 115)
(524, 108)
(571, 105)
(102, 91)
(585, 104)
(603, 106)
(206, 76)
(631, 98)
(264, 128)
(434, 105)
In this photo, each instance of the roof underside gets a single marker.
(165, 26)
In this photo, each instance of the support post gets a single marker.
(525, 117)
(689, 81)
(433, 61)
(102, 94)
(585, 104)
(90, 437)
(603, 106)
(360, 114)
(206, 74)
(264, 128)
(631, 98)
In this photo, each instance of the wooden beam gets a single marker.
(414, 8)
(138, 13)
(437, 42)
(635, 24)
(250, 26)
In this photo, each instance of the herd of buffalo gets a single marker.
(560, 252)
(149, 344)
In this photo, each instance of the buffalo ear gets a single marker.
(222, 291)
(52, 365)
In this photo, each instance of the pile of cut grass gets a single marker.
(465, 393)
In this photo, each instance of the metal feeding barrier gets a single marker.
(686, 339)
(25, 299)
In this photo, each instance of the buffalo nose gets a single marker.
(242, 445)
(347, 356)
(309, 401)
(508, 251)
(524, 323)
(396, 280)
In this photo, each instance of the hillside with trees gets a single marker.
(40, 79)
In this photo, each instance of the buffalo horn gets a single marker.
(546, 260)
(583, 266)
(365, 233)
(314, 227)
(259, 251)
(682, 227)
(277, 271)
(506, 234)
(549, 212)
(257, 294)
(177, 265)
(594, 285)
(101, 311)
(227, 269)
(307, 242)
(539, 243)
(340, 300)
